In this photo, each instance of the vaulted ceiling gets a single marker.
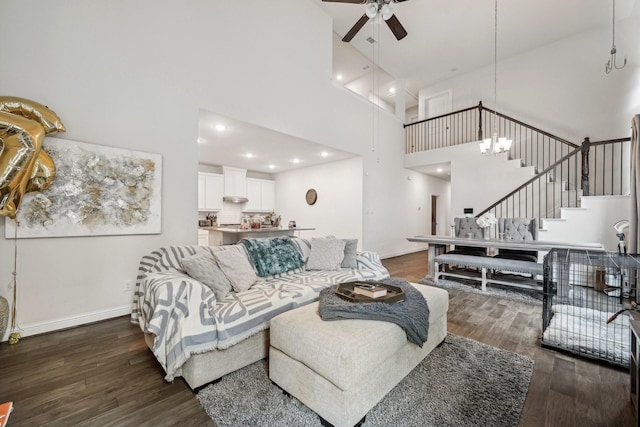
(449, 37)
(445, 38)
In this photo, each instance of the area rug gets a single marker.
(460, 383)
(527, 296)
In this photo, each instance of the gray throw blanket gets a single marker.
(412, 314)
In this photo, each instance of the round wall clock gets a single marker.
(311, 196)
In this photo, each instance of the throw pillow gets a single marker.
(237, 268)
(326, 254)
(350, 251)
(273, 255)
(205, 269)
(303, 246)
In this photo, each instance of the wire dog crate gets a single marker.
(582, 291)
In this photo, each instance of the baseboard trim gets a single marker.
(406, 252)
(71, 321)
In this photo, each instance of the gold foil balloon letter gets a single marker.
(24, 166)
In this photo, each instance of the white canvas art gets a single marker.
(97, 190)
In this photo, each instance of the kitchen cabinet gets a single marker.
(210, 191)
(203, 237)
(261, 194)
(235, 181)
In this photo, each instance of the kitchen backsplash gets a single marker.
(230, 213)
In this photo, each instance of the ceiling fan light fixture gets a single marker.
(371, 10)
(387, 12)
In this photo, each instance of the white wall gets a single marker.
(476, 180)
(338, 210)
(135, 75)
(561, 87)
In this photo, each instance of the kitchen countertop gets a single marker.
(254, 230)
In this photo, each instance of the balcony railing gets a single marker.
(533, 146)
(565, 171)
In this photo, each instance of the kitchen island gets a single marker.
(229, 235)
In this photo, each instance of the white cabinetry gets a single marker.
(210, 191)
(261, 194)
(203, 237)
(235, 183)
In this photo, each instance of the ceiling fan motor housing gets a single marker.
(372, 9)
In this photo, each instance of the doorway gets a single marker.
(434, 215)
(435, 105)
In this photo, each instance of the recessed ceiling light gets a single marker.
(324, 154)
(339, 76)
(439, 169)
(220, 127)
(392, 90)
(296, 160)
(249, 155)
(200, 141)
(272, 166)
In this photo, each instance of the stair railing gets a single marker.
(564, 171)
(563, 183)
(535, 198)
(610, 162)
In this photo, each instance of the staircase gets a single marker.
(576, 224)
(573, 187)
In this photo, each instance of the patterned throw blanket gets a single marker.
(185, 317)
(412, 314)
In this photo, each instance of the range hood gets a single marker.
(235, 199)
(235, 185)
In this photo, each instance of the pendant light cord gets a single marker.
(613, 42)
(495, 70)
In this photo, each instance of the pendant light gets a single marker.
(495, 145)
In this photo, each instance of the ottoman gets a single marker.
(341, 369)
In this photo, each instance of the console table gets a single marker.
(525, 245)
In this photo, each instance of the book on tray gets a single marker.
(371, 291)
(5, 410)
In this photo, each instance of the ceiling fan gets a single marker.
(374, 8)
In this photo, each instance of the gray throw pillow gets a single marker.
(326, 254)
(237, 268)
(350, 251)
(205, 269)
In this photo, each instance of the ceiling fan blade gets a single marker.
(354, 30)
(346, 1)
(396, 27)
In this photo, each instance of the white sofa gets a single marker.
(201, 338)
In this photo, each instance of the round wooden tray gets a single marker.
(394, 293)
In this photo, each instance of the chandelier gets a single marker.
(495, 145)
(611, 63)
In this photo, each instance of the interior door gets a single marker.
(434, 106)
(434, 210)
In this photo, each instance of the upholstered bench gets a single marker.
(341, 369)
(486, 264)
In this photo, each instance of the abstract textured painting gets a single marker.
(97, 190)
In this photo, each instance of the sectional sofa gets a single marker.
(201, 324)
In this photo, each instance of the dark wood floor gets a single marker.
(104, 375)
